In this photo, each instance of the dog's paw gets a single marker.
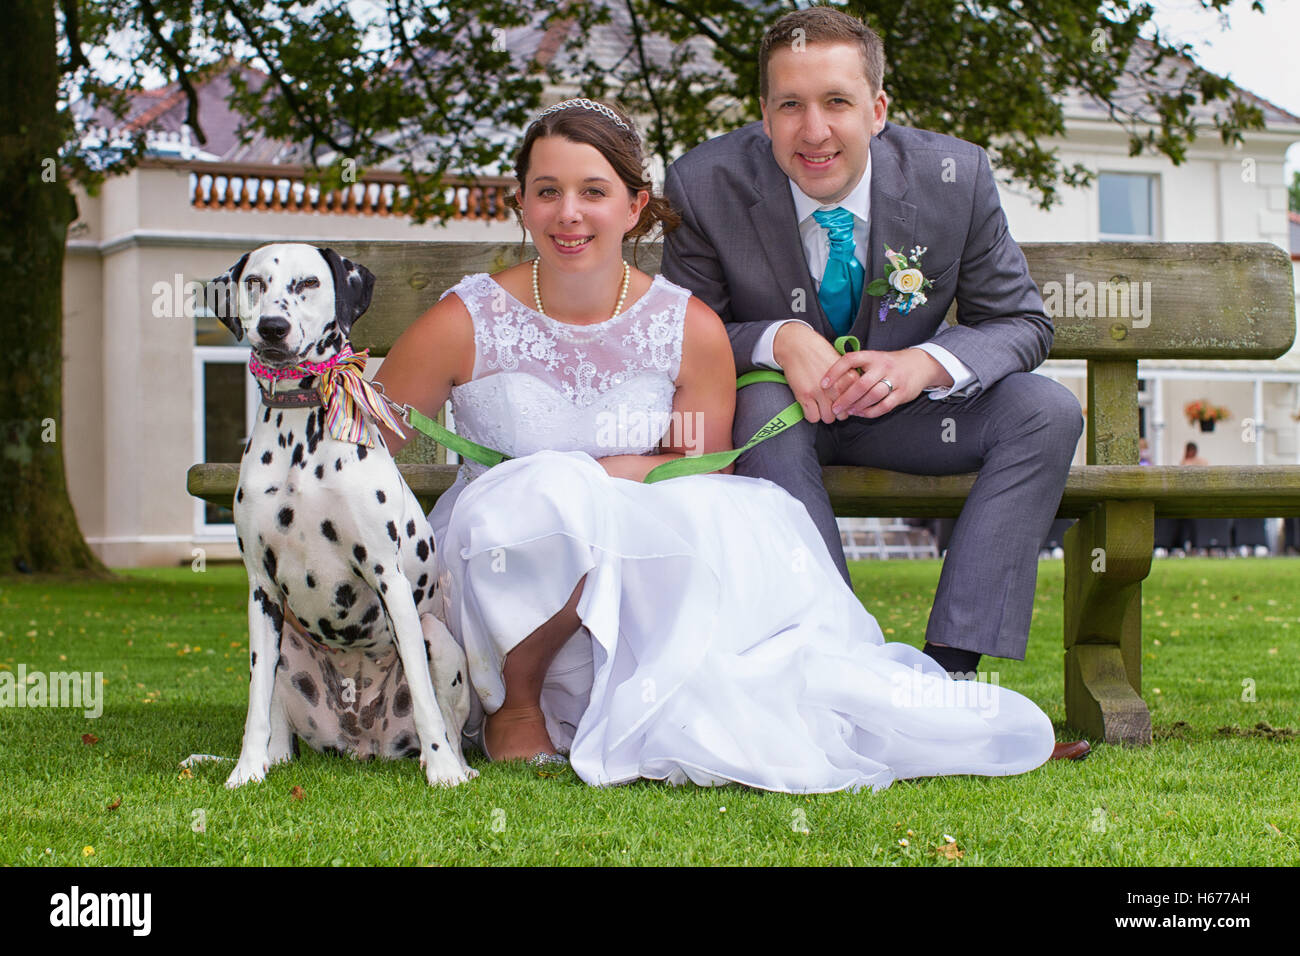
(443, 772)
(246, 771)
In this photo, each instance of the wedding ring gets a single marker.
(889, 383)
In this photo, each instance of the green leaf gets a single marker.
(877, 287)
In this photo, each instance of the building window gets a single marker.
(225, 400)
(1128, 205)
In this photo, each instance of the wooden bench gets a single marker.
(1206, 301)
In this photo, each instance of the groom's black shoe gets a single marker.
(1074, 750)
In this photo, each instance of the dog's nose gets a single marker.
(272, 328)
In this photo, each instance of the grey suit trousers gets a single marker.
(1020, 434)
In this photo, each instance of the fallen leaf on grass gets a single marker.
(89, 739)
(1273, 828)
(297, 793)
(115, 804)
(87, 851)
(949, 851)
(184, 774)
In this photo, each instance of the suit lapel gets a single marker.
(773, 217)
(892, 223)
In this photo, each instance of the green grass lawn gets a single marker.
(1218, 787)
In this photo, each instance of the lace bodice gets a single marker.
(606, 389)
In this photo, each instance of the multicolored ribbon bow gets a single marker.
(349, 398)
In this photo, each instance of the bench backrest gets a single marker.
(1112, 303)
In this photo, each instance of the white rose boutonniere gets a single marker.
(903, 285)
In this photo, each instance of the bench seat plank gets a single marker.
(1176, 491)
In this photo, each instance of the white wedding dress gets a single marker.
(719, 643)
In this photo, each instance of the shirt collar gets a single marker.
(857, 202)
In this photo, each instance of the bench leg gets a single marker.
(1107, 555)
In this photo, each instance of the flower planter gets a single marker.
(1207, 426)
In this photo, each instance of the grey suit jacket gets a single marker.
(739, 249)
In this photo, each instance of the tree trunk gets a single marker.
(38, 530)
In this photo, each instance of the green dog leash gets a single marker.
(789, 416)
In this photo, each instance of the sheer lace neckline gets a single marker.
(557, 324)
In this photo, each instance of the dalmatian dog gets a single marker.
(331, 535)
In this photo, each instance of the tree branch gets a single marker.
(72, 32)
(179, 62)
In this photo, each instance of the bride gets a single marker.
(690, 629)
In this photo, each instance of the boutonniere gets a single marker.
(903, 285)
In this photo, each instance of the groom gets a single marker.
(785, 225)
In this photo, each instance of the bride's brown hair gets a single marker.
(621, 148)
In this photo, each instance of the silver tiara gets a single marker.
(586, 104)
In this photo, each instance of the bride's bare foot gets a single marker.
(517, 733)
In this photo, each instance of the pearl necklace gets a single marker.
(618, 306)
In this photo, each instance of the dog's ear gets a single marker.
(353, 286)
(221, 296)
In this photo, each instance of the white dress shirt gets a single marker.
(816, 249)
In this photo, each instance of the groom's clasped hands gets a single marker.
(831, 387)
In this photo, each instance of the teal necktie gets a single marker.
(841, 288)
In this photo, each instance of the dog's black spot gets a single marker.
(297, 456)
(271, 489)
(248, 444)
(239, 494)
(351, 634)
(285, 517)
(418, 596)
(371, 615)
(392, 530)
(406, 745)
(240, 541)
(456, 680)
(422, 549)
(320, 471)
(348, 723)
(358, 552)
(266, 457)
(433, 746)
(344, 596)
(410, 528)
(383, 587)
(289, 438)
(379, 569)
(327, 529)
(361, 453)
(424, 579)
(270, 608)
(402, 701)
(356, 570)
(267, 417)
(311, 582)
(338, 464)
(268, 562)
(252, 659)
(307, 687)
(313, 436)
(279, 419)
(280, 440)
(284, 588)
(381, 496)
